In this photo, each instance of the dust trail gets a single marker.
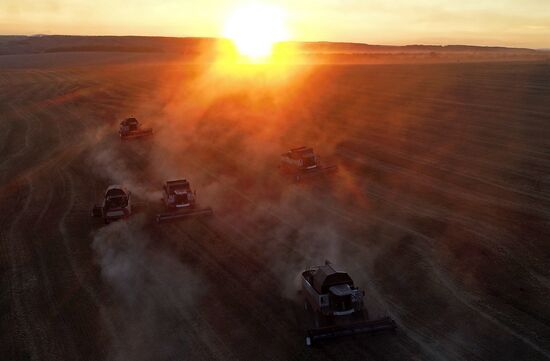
(315, 243)
(110, 162)
(153, 294)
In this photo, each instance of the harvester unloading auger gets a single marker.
(116, 204)
(336, 305)
(180, 202)
(130, 129)
(303, 162)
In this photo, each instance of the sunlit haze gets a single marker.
(255, 28)
(486, 22)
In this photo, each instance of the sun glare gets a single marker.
(255, 29)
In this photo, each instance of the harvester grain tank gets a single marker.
(116, 204)
(180, 202)
(130, 128)
(303, 162)
(336, 305)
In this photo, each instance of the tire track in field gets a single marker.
(440, 165)
(374, 139)
(39, 335)
(196, 336)
(480, 228)
(42, 296)
(23, 275)
(34, 134)
(444, 97)
(19, 282)
(427, 181)
(247, 305)
(21, 139)
(71, 217)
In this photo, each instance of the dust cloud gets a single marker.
(153, 293)
(224, 130)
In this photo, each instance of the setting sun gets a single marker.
(255, 29)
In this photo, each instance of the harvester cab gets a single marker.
(116, 204)
(178, 194)
(300, 158)
(130, 128)
(303, 161)
(336, 305)
(180, 201)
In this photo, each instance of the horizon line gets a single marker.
(280, 42)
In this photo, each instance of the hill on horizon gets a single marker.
(15, 44)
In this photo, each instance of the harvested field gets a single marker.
(440, 209)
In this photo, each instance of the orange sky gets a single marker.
(524, 23)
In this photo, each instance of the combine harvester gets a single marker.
(116, 204)
(131, 129)
(180, 202)
(336, 305)
(303, 162)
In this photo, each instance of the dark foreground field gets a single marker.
(440, 210)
